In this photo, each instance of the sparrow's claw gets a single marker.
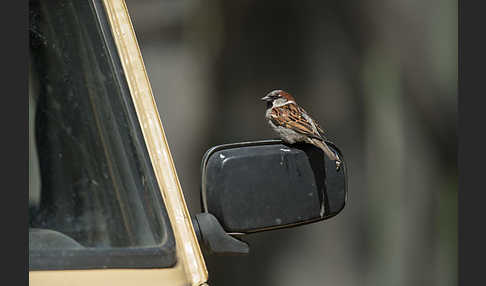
(338, 165)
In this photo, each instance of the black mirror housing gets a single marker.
(263, 185)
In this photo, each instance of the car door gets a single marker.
(105, 203)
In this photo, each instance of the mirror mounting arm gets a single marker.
(215, 240)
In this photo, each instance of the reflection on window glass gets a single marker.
(91, 184)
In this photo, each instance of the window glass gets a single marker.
(92, 189)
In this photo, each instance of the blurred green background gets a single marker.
(380, 76)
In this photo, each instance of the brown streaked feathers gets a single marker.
(290, 116)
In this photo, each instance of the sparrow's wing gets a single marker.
(319, 129)
(316, 124)
(290, 116)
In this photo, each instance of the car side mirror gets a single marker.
(256, 186)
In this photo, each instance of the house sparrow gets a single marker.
(294, 124)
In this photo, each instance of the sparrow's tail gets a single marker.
(329, 153)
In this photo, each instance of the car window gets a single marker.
(94, 200)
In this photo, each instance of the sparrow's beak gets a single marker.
(266, 98)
